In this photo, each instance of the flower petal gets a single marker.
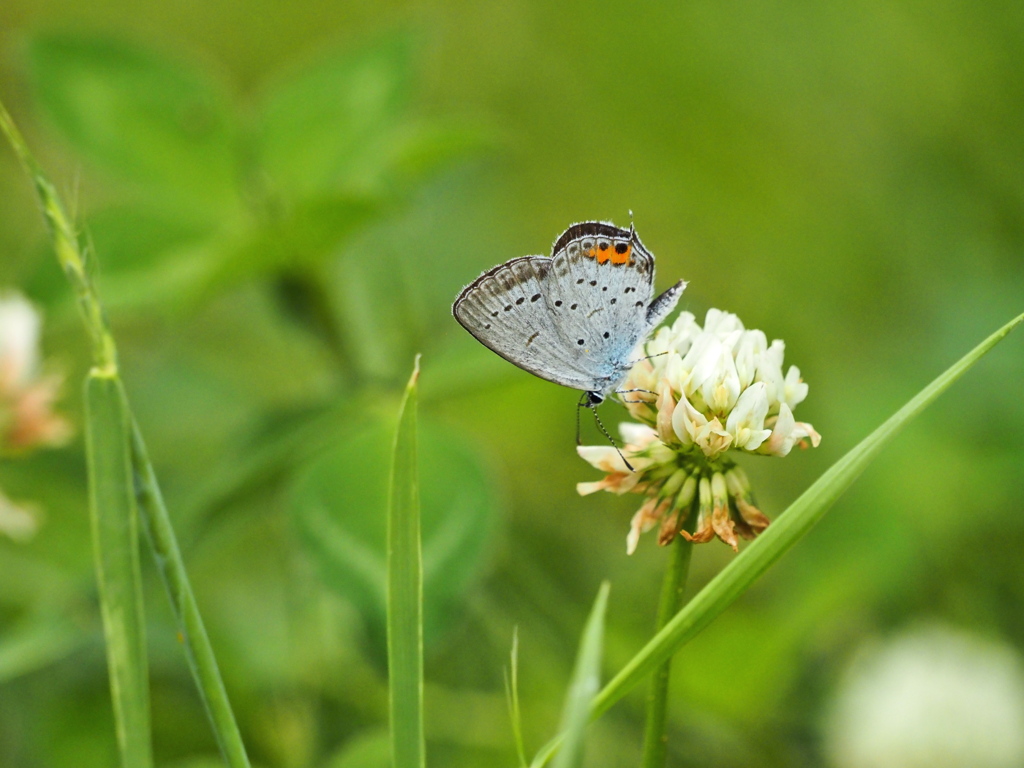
(19, 341)
(603, 457)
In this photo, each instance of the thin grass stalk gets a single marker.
(512, 699)
(156, 524)
(115, 538)
(66, 245)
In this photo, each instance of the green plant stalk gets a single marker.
(201, 660)
(69, 253)
(405, 592)
(780, 536)
(115, 542)
(143, 484)
(672, 588)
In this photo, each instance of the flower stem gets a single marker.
(655, 737)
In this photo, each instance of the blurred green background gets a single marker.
(284, 200)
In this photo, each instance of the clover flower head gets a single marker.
(27, 395)
(27, 419)
(702, 396)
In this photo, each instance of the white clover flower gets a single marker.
(19, 341)
(27, 419)
(932, 698)
(18, 521)
(702, 393)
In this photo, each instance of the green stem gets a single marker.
(672, 588)
(70, 254)
(201, 660)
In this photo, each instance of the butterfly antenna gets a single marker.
(611, 439)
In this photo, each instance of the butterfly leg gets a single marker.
(591, 400)
(627, 391)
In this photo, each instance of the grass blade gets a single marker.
(783, 533)
(405, 592)
(512, 699)
(585, 682)
(116, 543)
(157, 524)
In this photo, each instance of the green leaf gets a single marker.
(319, 124)
(339, 505)
(36, 643)
(405, 591)
(586, 679)
(782, 534)
(366, 750)
(134, 113)
(116, 544)
(417, 150)
(303, 235)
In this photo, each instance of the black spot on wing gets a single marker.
(595, 229)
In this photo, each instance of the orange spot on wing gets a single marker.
(622, 258)
(608, 253)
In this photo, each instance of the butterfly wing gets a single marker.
(506, 310)
(599, 293)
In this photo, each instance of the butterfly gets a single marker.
(576, 317)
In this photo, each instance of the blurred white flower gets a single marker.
(702, 392)
(931, 698)
(27, 419)
(19, 341)
(18, 521)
